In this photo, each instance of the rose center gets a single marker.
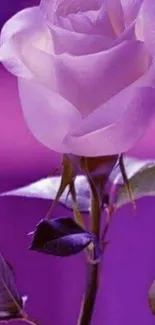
(77, 6)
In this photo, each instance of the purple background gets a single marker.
(55, 286)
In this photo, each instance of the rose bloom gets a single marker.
(86, 72)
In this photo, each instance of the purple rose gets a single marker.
(86, 72)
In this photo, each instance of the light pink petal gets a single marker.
(27, 46)
(145, 26)
(116, 15)
(116, 126)
(131, 9)
(23, 31)
(88, 81)
(48, 115)
(41, 65)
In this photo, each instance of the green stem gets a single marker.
(90, 295)
(93, 269)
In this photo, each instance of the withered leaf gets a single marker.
(11, 302)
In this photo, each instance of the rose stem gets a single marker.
(93, 269)
(90, 295)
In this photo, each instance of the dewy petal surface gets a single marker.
(48, 115)
(24, 36)
(89, 81)
(117, 125)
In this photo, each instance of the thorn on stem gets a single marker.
(126, 181)
(66, 179)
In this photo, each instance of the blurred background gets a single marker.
(55, 286)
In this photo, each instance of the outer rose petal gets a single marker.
(145, 26)
(88, 81)
(22, 37)
(48, 115)
(116, 126)
(145, 149)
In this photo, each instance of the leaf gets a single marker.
(11, 303)
(60, 237)
(151, 297)
(141, 175)
(132, 166)
(52, 187)
(47, 189)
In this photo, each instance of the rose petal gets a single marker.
(128, 35)
(81, 23)
(65, 7)
(116, 126)
(93, 22)
(131, 9)
(88, 81)
(77, 43)
(48, 115)
(31, 47)
(40, 63)
(145, 149)
(145, 26)
(65, 23)
(18, 36)
(116, 15)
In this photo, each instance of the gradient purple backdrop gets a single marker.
(55, 286)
